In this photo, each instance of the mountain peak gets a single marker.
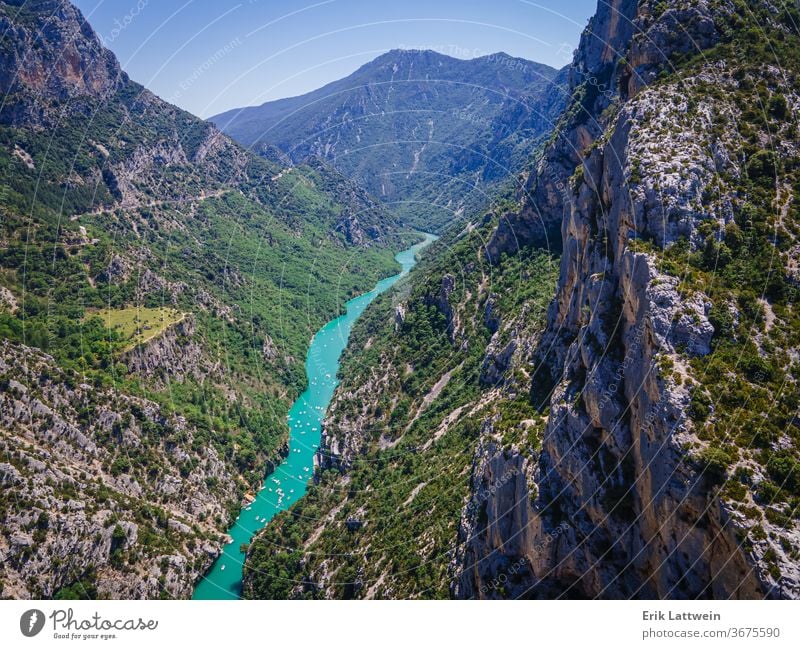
(410, 115)
(431, 56)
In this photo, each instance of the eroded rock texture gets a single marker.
(615, 505)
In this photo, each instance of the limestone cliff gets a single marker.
(77, 69)
(624, 500)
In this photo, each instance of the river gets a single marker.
(287, 484)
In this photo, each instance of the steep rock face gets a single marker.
(591, 82)
(616, 504)
(76, 68)
(623, 48)
(173, 355)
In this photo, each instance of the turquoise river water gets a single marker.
(288, 482)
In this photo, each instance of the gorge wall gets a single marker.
(623, 500)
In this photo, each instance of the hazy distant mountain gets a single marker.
(427, 132)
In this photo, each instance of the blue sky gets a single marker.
(211, 55)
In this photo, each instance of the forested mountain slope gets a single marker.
(159, 286)
(640, 438)
(428, 134)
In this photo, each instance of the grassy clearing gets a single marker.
(137, 325)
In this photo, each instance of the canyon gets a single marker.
(586, 387)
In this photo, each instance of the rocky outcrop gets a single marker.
(362, 221)
(7, 300)
(344, 430)
(614, 505)
(496, 362)
(174, 355)
(51, 53)
(441, 300)
(625, 46)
